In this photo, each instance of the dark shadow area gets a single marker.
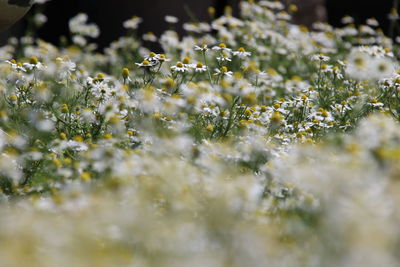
(110, 15)
(360, 10)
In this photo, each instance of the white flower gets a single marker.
(347, 20)
(365, 66)
(34, 64)
(224, 57)
(179, 67)
(151, 57)
(383, 67)
(78, 25)
(241, 53)
(200, 67)
(372, 22)
(15, 65)
(66, 67)
(221, 47)
(171, 19)
(39, 19)
(201, 48)
(320, 57)
(150, 37)
(223, 71)
(132, 23)
(145, 64)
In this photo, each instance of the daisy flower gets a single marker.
(145, 64)
(320, 57)
(179, 67)
(202, 48)
(34, 64)
(224, 57)
(241, 53)
(132, 23)
(171, 19)
(223, 71)
(162, 58)
(15, 65)
(200, 67)
(221, 47)
(187, 64)
(150, 37)
(151, 57)
(347, 20)
(372, 22)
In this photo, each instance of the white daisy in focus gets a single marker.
(145, 64)
(179, 67)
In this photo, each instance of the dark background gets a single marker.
(109, 15)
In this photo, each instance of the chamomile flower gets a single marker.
(375, 103)
(145, 64)
(16, 65)
(171, 19)
(383, 67)
(202, 48)
(326, 68)
(223, 71)
(152, 57)
(133, 23)
(65, 67)
(150, 37)
(163, 58)
(34, 64)
(179, 67)
(241, 53)
(347, 20)
(320, 57)
(372, 22)
(221, 47)
(200, 67)
(224, 57)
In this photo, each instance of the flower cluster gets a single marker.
(250, 141)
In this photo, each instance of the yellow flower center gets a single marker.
(222, 45)
(34, 60)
